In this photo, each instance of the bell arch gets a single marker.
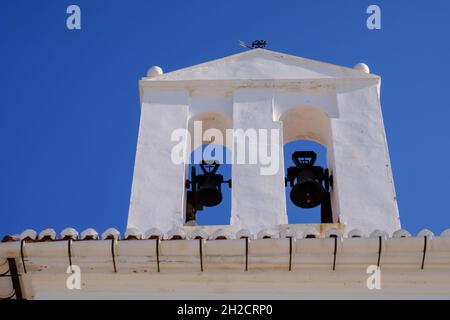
(308, 165)
(211, 123)
(207, 171)
(306, 123)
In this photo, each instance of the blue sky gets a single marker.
(69, 108)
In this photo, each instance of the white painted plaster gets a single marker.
(157, 197)
(362, 67)
(262, 64)
(258, 201)
(362, 169)
(154, 72)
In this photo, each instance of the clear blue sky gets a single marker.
(69, 104)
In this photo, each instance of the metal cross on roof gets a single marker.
(255, 44)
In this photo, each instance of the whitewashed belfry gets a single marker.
(359, 252)
(335, 106)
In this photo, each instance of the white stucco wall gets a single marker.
(363, 173)
(258, 201)
(157, 196)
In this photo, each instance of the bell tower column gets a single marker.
(158, 190)
(258, 198)
(363, 181)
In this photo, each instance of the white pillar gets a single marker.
(258, 201)
(157, 196)
(362, 175)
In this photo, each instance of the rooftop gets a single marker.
(194, 251)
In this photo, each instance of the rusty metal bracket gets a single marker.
(290, 253)
(157, 254)
(113, 254)
(22, 255)
(334, 251)
(425, 245)
(380, 250)
(69, 253)
(15, 278)
(246, 253)
(200, 245)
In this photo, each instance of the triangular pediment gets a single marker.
(262, 64)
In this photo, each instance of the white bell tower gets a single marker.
(335, 106)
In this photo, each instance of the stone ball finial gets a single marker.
(154, 72)
(362, 67)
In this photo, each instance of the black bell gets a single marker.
(206, 188)
(310, 184)
(209, 185)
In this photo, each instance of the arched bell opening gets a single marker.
(307, 162)
(208, 182)
(307, 187)
(212, 128)
(208, 186)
